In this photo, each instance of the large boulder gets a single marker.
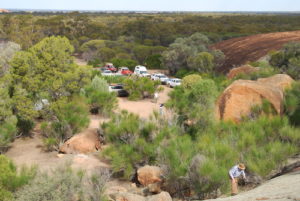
(241, 96)
(85, 142)
(281, 81)
(247, 69)
(149, 175)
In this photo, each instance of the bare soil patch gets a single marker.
(144, 108)
(241, 50)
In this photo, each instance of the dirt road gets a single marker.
(283, 188)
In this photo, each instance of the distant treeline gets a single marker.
(145, 29)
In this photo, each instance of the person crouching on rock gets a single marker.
(234, 173)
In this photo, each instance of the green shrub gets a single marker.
(189, 80)
(114, 79)
(99, 98)
(65, 119)
(287, 60)
(140, 87)
(7, 132)
(11, 179)
(118, 62)
(134, 141)
(65, 184)
(292, 104)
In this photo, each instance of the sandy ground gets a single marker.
(144, 108)
(283, 188)
(28, 151)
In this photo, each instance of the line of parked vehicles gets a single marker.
(141, 71)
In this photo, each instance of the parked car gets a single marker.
(175, 82)
(141, 71)
(125, 71)
(119, 89)
(168, 81)
(106, 73)
(161, 77)
(110, 66)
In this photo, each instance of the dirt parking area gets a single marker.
(144, 108)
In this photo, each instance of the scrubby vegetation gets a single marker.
(42, 82)
(175, 143)
(11, 179)
(141, 87)
(287, 60)
(64, 184)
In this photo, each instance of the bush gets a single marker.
(189, 80)
(292, 104)
(11, 179)
(124, 63)
(195, 104)
(287, 60)
(66, 119)
(134, 142)
(63, 184)
(140, 87)
(99, 98)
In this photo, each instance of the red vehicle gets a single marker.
(125, 71)
(110, 66)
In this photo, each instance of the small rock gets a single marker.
(149, 175)
(60, 155)
(163, 196)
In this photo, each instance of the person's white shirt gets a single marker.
(235, 172)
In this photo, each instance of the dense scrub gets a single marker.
(194, 150)
(65, 184)
(127, 39)
(12, 179)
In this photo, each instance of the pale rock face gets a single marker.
(238, 99)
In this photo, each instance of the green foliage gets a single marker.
(203, 62)
(292, 103)
(11, 179)
(192, 53)
(154, 61)
(134, 141)
(195, 104)
(176, 156)
(189, 80)
(8, 121)
(44, 71)
(63, 184)
(124, 63)
(114, 79)
(140, 87)
(288, 59)
(66, 117)
(7, 51)
(99, 98)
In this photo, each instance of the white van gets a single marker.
(141, 71)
